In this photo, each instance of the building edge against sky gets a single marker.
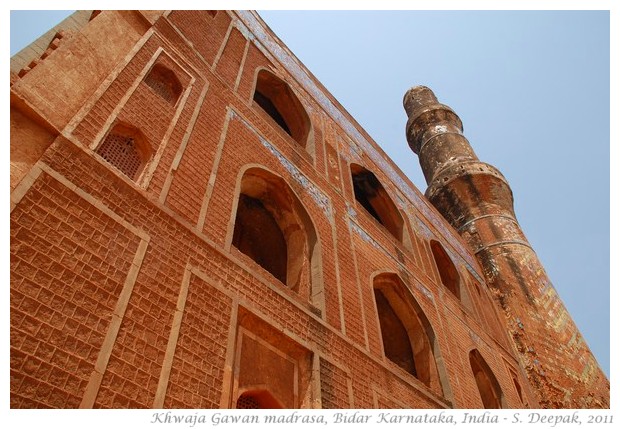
(312, 94)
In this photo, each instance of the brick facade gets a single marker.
(135, 289)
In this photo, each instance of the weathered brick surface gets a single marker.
(69, 264)
(203, 31)
(197, 369)
(229, 64)
(92, 123)
(334, 386)
(130, 295)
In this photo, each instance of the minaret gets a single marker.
(477, 200)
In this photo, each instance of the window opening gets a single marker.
(515, 380)
(447, 271)
(164, 83)
(261, 399)
(247, 402)
(258, 235)
(266, 104)
(488, 387)
(408, 338)
(273, 228)
(275, 97)
(373, 197)
(396, 344)
(257, 399)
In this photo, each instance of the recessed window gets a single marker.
(396, 344)
(273, 229)
(515, 381)
(269, 369)
(267, 105)
(280, 103)
(258, 235)
(447, 271)
(371, 195)
(488, 387)
(125, 148)
(164, 83)
(408, 339)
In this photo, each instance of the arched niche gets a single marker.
(447, 270)
(164, 83)
(273, 228)
(277, 99)
(125, 148)
(490, 391)
(260, 398)
(371, 195)
(407, 336)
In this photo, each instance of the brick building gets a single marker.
(197, 223)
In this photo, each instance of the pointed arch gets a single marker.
(516, 384)
(490, 391)
(276, 98)
(273, 228)
(371, 194)
(408, 338)
(448, 273)
(125, 148)
(164, 83)
(257, 398)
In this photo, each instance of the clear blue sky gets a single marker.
(532, 89)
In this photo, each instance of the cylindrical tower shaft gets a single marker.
(477, 200)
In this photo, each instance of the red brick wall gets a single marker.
(101, 265)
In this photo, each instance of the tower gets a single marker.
(477, 201)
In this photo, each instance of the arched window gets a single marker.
(258, 235)
(257, 399)
(372, 196)
(164, 83)
(486, 309)
(447, 271)
(277, 99)
(515, 381)
(408, 339)
(126, 149)
(273, 228)
(488, 387)
(396, 343)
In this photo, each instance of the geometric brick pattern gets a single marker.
(69, 261)
(197, 368)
